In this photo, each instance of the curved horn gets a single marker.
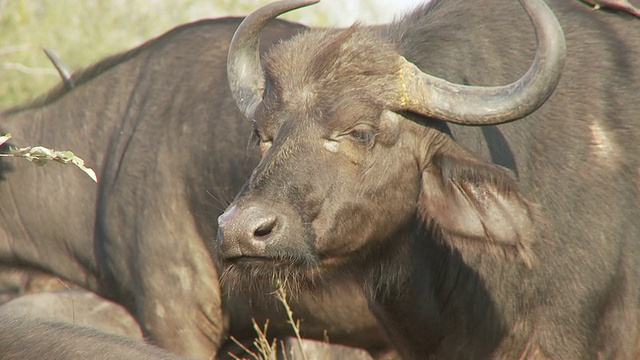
(244, 70)
(480, 105)
(63, 69)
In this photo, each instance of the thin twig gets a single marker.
(14, 49)
(28, 70)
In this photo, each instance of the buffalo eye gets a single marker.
(264, 142)
(259, 135)
(362, 136)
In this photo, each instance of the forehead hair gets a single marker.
(326, 68)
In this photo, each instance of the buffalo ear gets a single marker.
(475, 204)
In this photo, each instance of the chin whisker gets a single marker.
(266, 276)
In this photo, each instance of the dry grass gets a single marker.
(268, 350)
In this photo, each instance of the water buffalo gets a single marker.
(480, 220)
(29, 337)
(160, 127)
(76, 306)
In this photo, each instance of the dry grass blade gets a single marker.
(283, 348)
(246, 349)
(266, 350)
(281, 295)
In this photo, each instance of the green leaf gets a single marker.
(40, 156)
(4, 138)
(41, 152)
(38, 161)
(80, 163)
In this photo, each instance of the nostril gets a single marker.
(262, 232)
(265, 229)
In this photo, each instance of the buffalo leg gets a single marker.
(169, 273)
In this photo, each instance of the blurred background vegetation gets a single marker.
(83, 31)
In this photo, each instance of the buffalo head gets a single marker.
(356, 154)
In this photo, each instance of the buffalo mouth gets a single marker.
(258, 260)
(269, 262)
(247, 259)
(266, 273)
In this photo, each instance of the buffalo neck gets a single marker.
(437, 303)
